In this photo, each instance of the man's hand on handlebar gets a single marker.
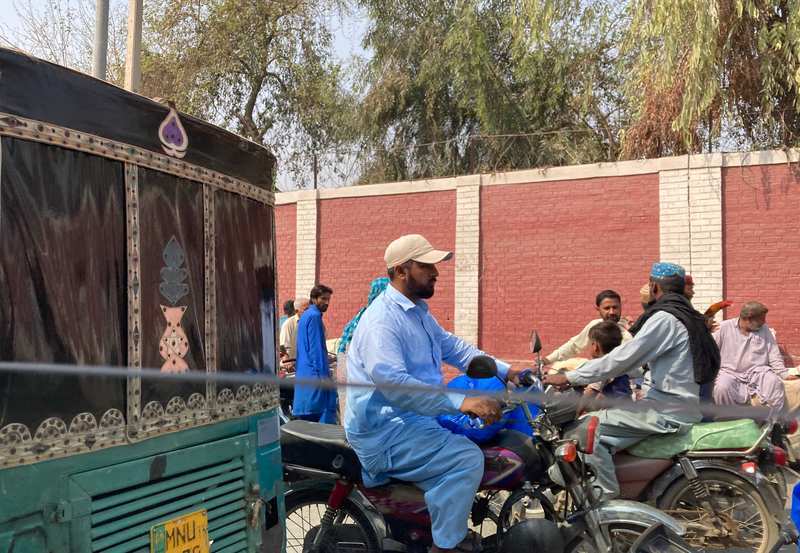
(558, 381)
(485, 408)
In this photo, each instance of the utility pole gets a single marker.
(133, 52)
(316, 169)
(100, 39)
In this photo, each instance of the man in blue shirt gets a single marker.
(394, 431)
(312, 403)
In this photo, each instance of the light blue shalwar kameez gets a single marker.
(394, 432)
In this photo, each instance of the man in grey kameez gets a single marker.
(663, 343)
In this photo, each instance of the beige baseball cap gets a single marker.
(413, 247)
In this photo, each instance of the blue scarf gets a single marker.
(376, 289)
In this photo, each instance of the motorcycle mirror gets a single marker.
(536, 343)
(482, 366)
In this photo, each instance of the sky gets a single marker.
(348, 32)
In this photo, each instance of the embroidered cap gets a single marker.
(664, 270)
(413, 247)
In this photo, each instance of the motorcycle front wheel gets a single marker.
(733, 516)
(622, 537)
(351, 529)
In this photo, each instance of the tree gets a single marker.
(461, 86)
(713, 74)
(261, 69)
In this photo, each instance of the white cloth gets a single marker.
(289, 336)
(575, 345)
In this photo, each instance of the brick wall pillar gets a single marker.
(467, 257)
(690, 221)
(306, 267)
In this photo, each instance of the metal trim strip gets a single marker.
(46, 133)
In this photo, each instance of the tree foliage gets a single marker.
(458, 86)
(713, 74)
(261, 68)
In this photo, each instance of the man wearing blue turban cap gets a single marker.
(663, 270)
(673, 339)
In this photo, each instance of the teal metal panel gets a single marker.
(167, 464)
(223, 481)
(50, 506)
(145, 491)
(153, 515)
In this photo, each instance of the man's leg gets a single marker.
(729, 390)
(768, 388)
(620, 429)
(449, 469)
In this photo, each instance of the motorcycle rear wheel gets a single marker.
(304, 511)
(742, 508)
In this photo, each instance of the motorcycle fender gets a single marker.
(758, 480)
(621, 510)
(375, 519)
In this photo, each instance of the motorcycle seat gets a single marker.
(707, 436)
(319, 446)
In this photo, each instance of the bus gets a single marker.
(132, 236)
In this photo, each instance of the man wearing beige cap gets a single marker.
(394, 431)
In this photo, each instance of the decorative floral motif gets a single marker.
(197, 402)
(174, 342)
(112, 419)
(173, 276)
(83, 422)
(49, 429)
(174, 139)
(14, 434)
(153, 412)
(176, 406)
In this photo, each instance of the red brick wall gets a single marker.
(354, 233)
(286, 236)
(548, 248)
(761, 235)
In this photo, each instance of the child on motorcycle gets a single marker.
(603, 338)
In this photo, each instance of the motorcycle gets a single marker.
(723, 480)
(328, 509)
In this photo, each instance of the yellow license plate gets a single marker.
(185, 534)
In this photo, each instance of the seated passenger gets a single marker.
(752, 366)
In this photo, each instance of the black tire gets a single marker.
(734, 498)
(508, 514)
(304, 510)
(623, 535)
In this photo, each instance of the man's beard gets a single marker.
(420, 290)
(614, 318)
(322, 308)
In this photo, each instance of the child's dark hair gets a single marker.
(607, 334)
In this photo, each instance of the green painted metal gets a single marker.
(108, 500)
(224, 480)
(190, 478)
(129, 526)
